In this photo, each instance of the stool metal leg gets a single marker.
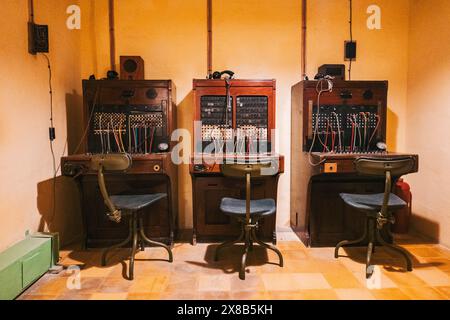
(248, 234)
(244, 256)
(350, 242)
(228, 244)
(243, 264)
(268, 246)
(370, 246)
(121, 244)
(156, 243)
(134, 247)
(398, 249)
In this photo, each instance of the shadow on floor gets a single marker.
(91, 258)
(230, 258)
(390, 260)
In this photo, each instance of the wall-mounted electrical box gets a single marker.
(350, 50)
(37, 38)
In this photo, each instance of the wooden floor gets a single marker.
(309, 273)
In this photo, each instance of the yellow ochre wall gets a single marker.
(25, 158)
(254, 38)
(381, 54)
(428, 117)
(171, 38)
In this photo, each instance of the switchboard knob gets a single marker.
(368, 95)
(151, 93)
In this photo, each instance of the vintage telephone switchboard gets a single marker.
(137, 117)
(232, 119)
(329, 131)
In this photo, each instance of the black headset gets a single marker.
(219, 75)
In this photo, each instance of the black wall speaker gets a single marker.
(37, 38)
(335, 70)
(131, 68)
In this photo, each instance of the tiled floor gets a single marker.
(309, 273)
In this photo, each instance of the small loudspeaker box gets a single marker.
(335, 70)
(131, 68)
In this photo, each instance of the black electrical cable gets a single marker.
(31, 10)
(351, 39)
(51, 111)
(351, 20)
(50, 88)
(51, 132)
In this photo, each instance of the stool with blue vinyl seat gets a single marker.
(378, 207)
(128, 206)
(248, 212)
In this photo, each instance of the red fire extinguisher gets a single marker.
(402, 216)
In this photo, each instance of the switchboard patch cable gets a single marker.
(361, 128)
(320, 89)
(141, 139)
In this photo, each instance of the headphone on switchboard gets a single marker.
(219, 75)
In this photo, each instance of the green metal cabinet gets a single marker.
(23, 263)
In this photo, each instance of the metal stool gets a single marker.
(248, 212)
(126, 205)
(378, 207)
